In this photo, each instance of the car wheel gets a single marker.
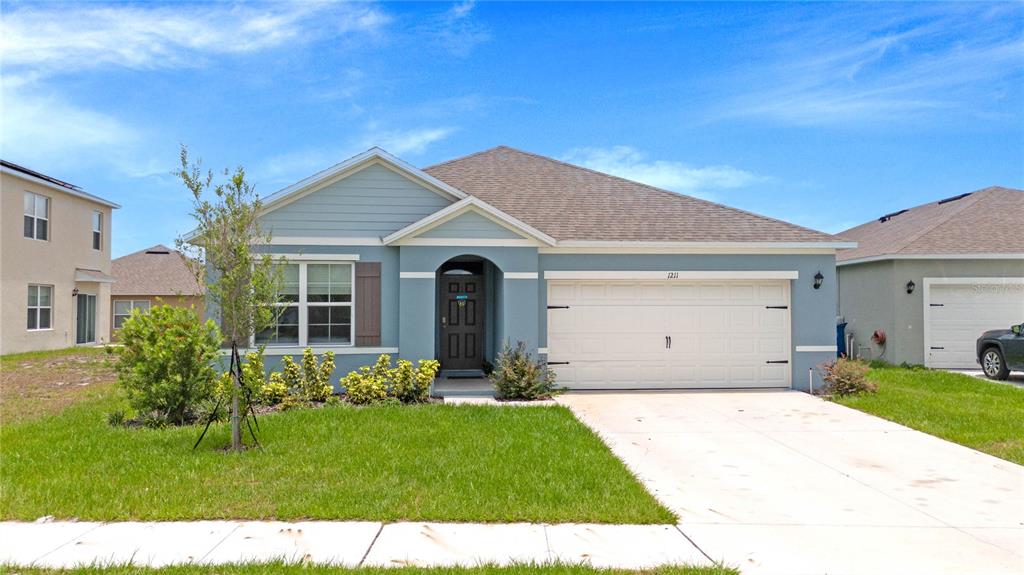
(993, 365)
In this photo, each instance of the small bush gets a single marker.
(517, 375)
(165, 363)
(410, 385)
(274, 391)
(847, 377)
(117, 418)
(364, 386)
(316, 376)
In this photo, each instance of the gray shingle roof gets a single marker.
(156, 271)
(985, 221)
(569, 202)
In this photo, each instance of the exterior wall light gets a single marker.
(910, 286)
(74, 292)
(818, 278)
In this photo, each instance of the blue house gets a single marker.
(618, 285)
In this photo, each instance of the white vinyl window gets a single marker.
(97, 230)
(40, 307)
(123, 309)
(317, 298)
(37, 216)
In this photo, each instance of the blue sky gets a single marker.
(825, 115)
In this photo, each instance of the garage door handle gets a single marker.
(777, 361)
(558, 307)
(776, 307)
(558, 363)
(668, 342)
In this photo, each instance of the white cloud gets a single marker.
(45, 129)
(400, 142)
(630, 163)
(882, 65)
(58, 37)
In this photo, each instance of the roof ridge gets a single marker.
(965, 202)
(660, 190)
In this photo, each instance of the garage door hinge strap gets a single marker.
(936, 305)
(558, 363)
(776, 307)
(558, 307)
(777, 361)
(936, 348)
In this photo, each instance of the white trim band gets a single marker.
(417, 275)
(319, 257)
(969, 281)
(671, 275)
(817, 348)
(470, 242)
(930, 257)
(298, 350)
(542, 351)
(322, 241)
(521, 275)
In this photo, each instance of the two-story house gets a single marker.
(54, 262)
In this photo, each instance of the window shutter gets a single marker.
(367, 304)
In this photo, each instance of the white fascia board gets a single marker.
(322, 241)
(707, 245)
(972, 281)
(986, 256)
(52, 186)
(469, 242)
(672, 275)
(292, 192)
(317, 257)
(688, 250)
(470, 203)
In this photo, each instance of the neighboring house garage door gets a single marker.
(956, 314)
(669, 334)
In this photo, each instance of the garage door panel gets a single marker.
(613, 333)
(957, 314)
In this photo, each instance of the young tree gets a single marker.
(241, 284)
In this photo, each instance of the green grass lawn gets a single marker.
(294, 569)
(980, 414)
(428, 462)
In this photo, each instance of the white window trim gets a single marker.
(95, 231)
(131, 308)
(38, 307)
(303, 261)
(35, 225)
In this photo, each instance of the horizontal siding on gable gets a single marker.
(374, 201)
(471, 225)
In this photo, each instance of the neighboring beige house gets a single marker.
(54, 262)
(934, 277)
(153, 276)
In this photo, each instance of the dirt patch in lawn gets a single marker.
(37, 384)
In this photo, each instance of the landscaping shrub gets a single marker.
(410, 385)
(847, 377)
(517, 375)
(165, 364)
(274, 391)
(401, 384)
(316, 376)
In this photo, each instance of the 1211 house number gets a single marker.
(673, 275)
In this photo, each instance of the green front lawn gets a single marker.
(428, 462)
(967, 410)
(300, 569)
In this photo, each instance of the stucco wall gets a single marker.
(867, 296)
(25, 261)
(874, 296)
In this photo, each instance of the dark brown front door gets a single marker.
(462, 321)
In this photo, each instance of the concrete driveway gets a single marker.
(782, 482)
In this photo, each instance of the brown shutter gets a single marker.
(367, 303)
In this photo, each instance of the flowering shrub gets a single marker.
(517, 375)
(847, 377)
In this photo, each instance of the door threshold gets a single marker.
(462, 374)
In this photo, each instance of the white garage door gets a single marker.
(669, 334)
(957, 314)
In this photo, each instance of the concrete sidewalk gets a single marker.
(67, 544)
